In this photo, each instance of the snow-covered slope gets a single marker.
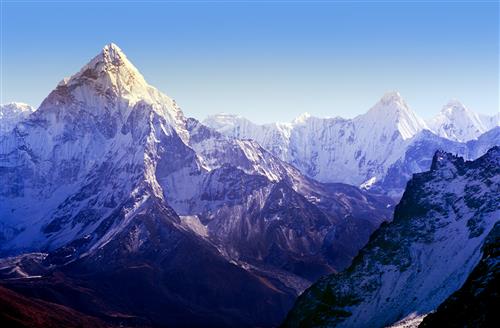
(11, 114)
(414, 263)
(490, 122)
(456, 122)
(475, 304)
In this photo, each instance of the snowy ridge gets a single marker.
(276, 136)
(335, 149)
(363, 151)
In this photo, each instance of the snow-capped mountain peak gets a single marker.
(393, 97)
(392, 112)
(110, 86)
(111, 73)
(456, 122)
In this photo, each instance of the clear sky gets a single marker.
(265, 60)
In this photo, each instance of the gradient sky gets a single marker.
(267, 61)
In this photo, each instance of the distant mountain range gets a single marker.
(366, 151)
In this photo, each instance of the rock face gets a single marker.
(110, 183)
(380, 149)
(417, 261)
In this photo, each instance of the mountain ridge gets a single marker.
(362, 151)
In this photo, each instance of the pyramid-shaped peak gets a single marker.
(110, 68)
(392, 113)
(109, 76)
(391, 103)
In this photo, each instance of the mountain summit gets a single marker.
(110, 69)
(107, 89)
(393, 113)
(457, 122)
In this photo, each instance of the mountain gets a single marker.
(377, 150)
(11, 114)
(107, 182)
(411, 265)
(456, 122)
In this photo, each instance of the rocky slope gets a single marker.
(19, 311)
(473, 305)
(413, 264)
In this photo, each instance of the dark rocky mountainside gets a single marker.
(442, 227)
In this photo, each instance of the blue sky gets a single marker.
(268, 61)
